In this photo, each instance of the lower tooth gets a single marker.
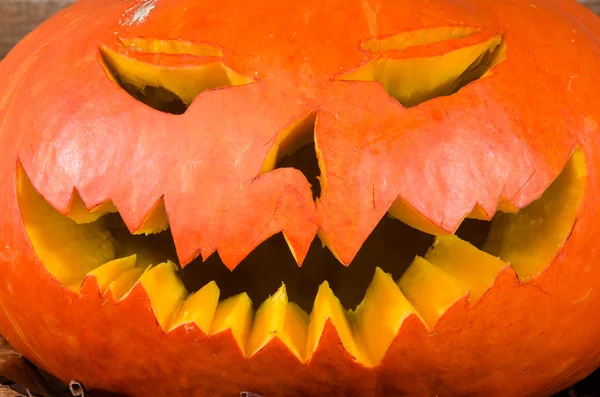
(165, 291)
(268, 321)
(431, 290)
(123, 284)
(234, 313)
(199, 308)
(467, 263)
(295, 329)
(111, 271)
(328, 306)
(380, 315)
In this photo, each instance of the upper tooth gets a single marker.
(268, 321)
(157, 221)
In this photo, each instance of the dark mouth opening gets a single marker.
(392, 247)
(398, 269)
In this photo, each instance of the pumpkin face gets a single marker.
(313, 198)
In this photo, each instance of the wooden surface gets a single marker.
(19, 17)
(594, 5)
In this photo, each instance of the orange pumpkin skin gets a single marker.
(70, 126)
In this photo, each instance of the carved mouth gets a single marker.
(399, 271)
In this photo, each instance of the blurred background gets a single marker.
(19, 17)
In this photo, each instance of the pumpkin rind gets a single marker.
(505, 136)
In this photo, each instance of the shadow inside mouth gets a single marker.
(392, 246)
(527, 240)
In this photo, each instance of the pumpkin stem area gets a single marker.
(399, 270)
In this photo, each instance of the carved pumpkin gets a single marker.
(304, 198)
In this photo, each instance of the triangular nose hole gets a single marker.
(305, 160)
(295, 148)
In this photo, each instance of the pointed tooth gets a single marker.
(506, 206)
(268, 320)
(295, 330)
(431, 290)
(403, 211)
(80, 214)
(234, 313)
(472, 266)
(380, 314)
(157, 221)
(111, 271)
(328, 306)
(199, 308)
(119, 288)
(479, 213)
(165, 291)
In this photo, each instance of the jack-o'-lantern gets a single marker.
(304, 198)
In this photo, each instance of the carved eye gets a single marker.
(417, 66)
(167, 75)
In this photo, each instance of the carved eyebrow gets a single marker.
(165, 46)
(419, 37)
(415, 75)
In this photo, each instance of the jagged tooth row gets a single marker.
(156, 221)
(275, 318)
(429, 287)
